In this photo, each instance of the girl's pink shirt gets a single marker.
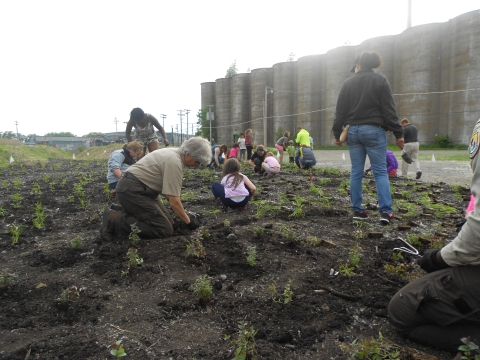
(240, 190)
(234, 152)
(271, 161)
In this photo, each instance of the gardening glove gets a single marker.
(192, 225)
(432, 261)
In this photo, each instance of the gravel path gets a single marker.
(451, 172)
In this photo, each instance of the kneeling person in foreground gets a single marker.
(159, 172)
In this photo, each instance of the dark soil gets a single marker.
(152, 310)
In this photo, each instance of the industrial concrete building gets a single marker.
(434, 71)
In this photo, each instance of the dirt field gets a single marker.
(298, 289)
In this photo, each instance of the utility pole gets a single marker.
(210, 118)
(180, 113)
(187, 111)
(163, 120)
(173, 141)
(116, 127)
(16, 125)
(177, 132)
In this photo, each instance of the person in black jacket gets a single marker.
(365, 102)
(410, 134)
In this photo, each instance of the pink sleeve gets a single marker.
(471, 205)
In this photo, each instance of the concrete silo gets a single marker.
(284, 88)
(240, 104)
(339, 63)
(260, 78)
(417, 78)
(223, 111)
(311, 90)
(459, 111)
(208, 94)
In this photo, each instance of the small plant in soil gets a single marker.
(266, 209)
(413, 239)
(354, 255)
(324, 181)
(315, 190)
(5, 184)
(77, 242)
(312, 241)
(442, 210)
(17, 183)
(7, 279)
(39, 220)
(258, 231)
(17, 200)
(189, 196)
(372, 349)
(72, 293)
(16, 231)
(107, 192)
(245, 347)
(298, 211)
(117, 349)
(397, 256)
(406, 194)
(469, 349)
(80, 193)
(400, 270)
(202, 287)
(134, 260)
(71, 198)
(133, 236)
(52, 186)
(3, 211)
(287, 232)
(195, 247)
(213, 212)
(226, 223)
(204, 232)
(63, 183)
(36, 189)
(251, 255)
(436, 243)
(286, 297)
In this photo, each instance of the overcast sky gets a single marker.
(75, 66)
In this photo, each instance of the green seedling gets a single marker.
(372, 349)
(315, 190)
(413, 239)
(312, 241)
(287, 295)
(213, 212)
(332, 172)
(107, 191)
(287, 232)
(72, 293)
(134, 259)
(36, 188)
(202, 287)
(245, 347)
(442, 210)
(188, 174)
(77, 242)
(39, 220)
(17, 200)
(5, 184)
(71, 198)
(399, 270)
(397, 256)
(252, 255)
(17, 183)
(204, 233)
(354, 255)
(195, 248)
(16, 231)
(346, 269)
(266, 209)
(325, 181)
(79, 192)
(189, 196)
(298, 211)
(406, 194)
(7, 279)
(117, 349)
(63, 183)
(469, 349)
(133, 236)
(46, 178)
(52, 186)
(3, 211)
(258, 231)
(226, 223)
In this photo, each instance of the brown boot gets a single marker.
(108, 225)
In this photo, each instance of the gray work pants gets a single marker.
(439, 308)
(141, 206)
(411, 149)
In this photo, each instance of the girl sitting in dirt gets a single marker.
(271, 165)
(235, 190)
(234, 151)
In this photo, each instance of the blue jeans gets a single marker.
(369, 140)
(213, 164)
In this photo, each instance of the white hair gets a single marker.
(198, 148)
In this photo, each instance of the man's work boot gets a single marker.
(116, 207)
(108, 225)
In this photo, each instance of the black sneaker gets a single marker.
(419, 175)
(360, 215)
(386, 218)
